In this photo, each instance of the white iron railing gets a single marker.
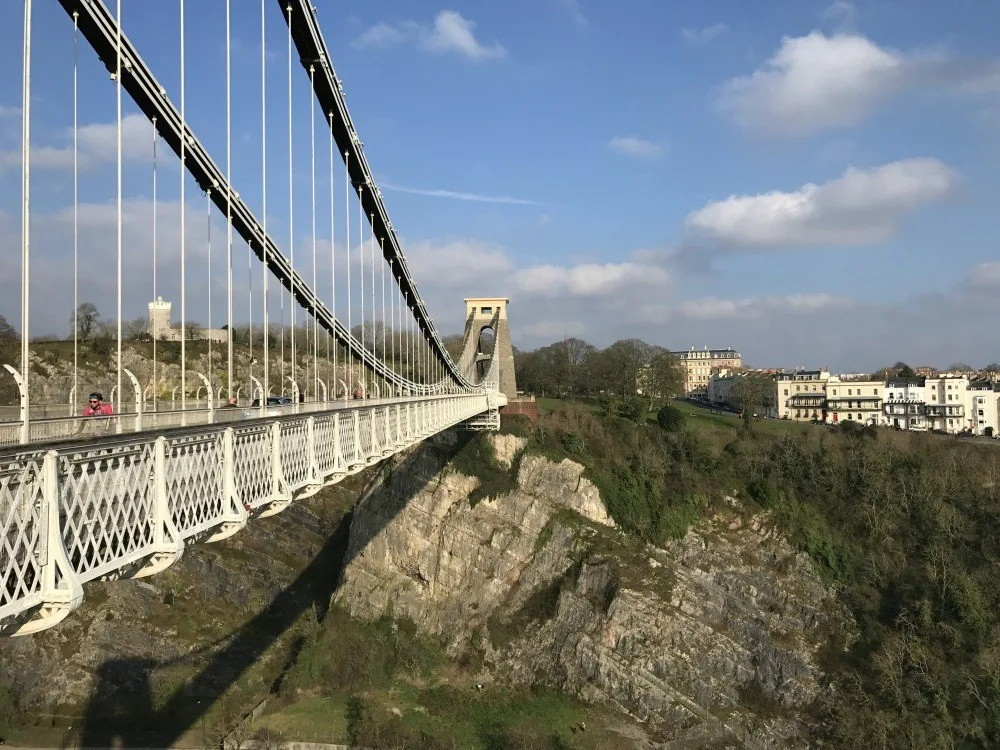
(120, 504)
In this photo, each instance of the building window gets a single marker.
(850, 391)
(786, 391)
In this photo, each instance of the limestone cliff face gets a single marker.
(713, 639)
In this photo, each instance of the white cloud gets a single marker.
(97, 144)
(450, 33)
(572, 7)
(9, 111)
(817, 82)
(455, 195)
(456, 264)
(814, 82)
(860, 207)
(755, 307)
(705, 35)
(590, 279)
(636, 147)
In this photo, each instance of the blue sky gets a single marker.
(810, 182)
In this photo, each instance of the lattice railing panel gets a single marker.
(252, 461)
(106, 507)
(295, 452)
(325, 442)
(348, 445)
(367, 439)
(195, 483)
(24, 530)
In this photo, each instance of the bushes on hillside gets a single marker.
(907, 525)
(633, 409)
(670, 418)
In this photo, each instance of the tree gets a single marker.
(905, 371)
(623, 363)
(454, 344)
(752, 393)
(87, 320)
(670, 418)
(959, 367)
(136, 329)
(7, 332)
(663, 378)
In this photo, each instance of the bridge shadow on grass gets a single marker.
(122, 711)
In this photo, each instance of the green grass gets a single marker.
(446, 715)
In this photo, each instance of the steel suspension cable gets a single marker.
(208, 214)
(291, 204)
(361, 285)
(347, 231)
(155, 298)
(392, 326)
(25, 215)
(374, 330)
(382, 248)
(76, 210)
(333, 261)
(184, 138)
(118, 167)
(266, 385)
(229, 217)
(312, 145)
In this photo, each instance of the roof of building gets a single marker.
(904, 382)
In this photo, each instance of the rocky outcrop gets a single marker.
(715, 637)
(134, 640)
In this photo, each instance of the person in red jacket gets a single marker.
(97, 407)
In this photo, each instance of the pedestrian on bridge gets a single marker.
(97, 407)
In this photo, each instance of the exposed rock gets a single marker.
(128, 629)
(714, 638)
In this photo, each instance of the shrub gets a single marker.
(573, 443)
(670, 418)
(633, 409)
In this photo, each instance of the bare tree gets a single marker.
(87, 320)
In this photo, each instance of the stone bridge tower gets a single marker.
(485, 317)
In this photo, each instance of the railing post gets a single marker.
(167, 543)
(60, 588)
(262, 397)
(357, 437)
(338, 455)
(138, 399)
(22, 390)
(209, 396)
(237, 516)
(314, 473)
(277, 480)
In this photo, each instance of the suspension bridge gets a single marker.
(367, 374)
